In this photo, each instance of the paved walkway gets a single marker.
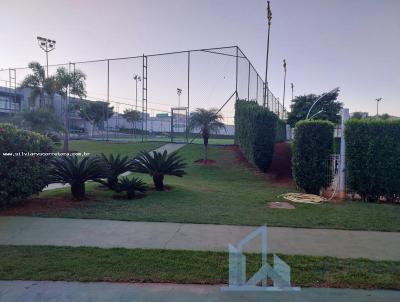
(108, 233)
(169, 147)
(34, 291)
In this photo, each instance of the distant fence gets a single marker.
(213, 77)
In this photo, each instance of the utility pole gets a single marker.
(46, 45)
(266, 94)
(377, 106)
(284, 85)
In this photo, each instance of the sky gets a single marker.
(351, 44)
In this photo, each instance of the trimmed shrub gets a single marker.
(313, 143)
(255, 132)
(373, 158)
(21, 176)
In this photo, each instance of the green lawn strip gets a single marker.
(226, 193)
(139, 265)
(123, 148)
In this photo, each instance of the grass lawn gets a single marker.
(139, 265)
(95, 147)
(178, 139)
(226, 192)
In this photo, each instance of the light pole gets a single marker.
(377, 106)
(179, 92)
(292, 90)
(137, 79)
(47, 45)
(266, 96)
(284, 85)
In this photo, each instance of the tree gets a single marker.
(385, 116)
(208, 122)
(359, 115)
(327, 108)
(94, 112)
(69, 83)
(41, 120)
(39, 85)
(132, 116)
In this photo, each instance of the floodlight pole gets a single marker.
(46, 45)
(266, 96)
(284, 86)
(136, 78)
(377, 106)
(292, 90)
(179, 92)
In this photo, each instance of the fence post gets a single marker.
(188, 97)
(108, 96)
(237, 69)
(342, 170)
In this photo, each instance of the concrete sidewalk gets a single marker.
(169, 147)
(34, 291)
(206, 237)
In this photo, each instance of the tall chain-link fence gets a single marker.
(152, 85)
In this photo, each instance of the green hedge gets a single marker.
(255, 132)
(21, 176)
(312, 146)
(373, 158)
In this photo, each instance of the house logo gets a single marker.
(279, 273)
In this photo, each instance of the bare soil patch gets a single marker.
(281, 166)
(34, 206)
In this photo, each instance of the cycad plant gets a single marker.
(207, 122)
(158, 165)
(130, 186)
(116, 166)
(76, 171)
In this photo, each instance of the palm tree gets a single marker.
(116, 166)
(76, 171)
(207, 122)
(159, 165)
(72, 83)
(39, 85)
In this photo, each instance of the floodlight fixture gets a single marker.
(46, 45)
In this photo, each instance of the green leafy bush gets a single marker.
(158, 165)
(255, 132)
(130, 186)
(76, 171)
(21, 176)
(373, 158)
(116, 165)
(312, 146)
